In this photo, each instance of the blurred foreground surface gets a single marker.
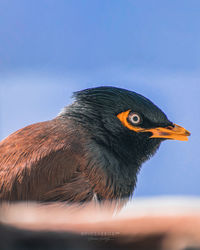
(154, 223)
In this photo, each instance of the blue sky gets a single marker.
(48, 49)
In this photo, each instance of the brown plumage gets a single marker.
(36, 157)
(38, 163)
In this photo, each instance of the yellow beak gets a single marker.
(174, 133)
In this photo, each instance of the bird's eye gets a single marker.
(135, 118)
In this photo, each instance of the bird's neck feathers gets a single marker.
(118, 165)
(113, 156)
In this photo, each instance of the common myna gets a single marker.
(93, 148)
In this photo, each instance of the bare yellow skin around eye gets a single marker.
(123, 118)
(174, 133)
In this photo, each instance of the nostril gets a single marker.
(170, 127)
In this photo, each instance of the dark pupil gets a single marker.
(135, 118)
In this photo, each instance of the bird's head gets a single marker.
(123, 120)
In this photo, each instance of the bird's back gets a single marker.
(38, 159)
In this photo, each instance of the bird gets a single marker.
(93, 149)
